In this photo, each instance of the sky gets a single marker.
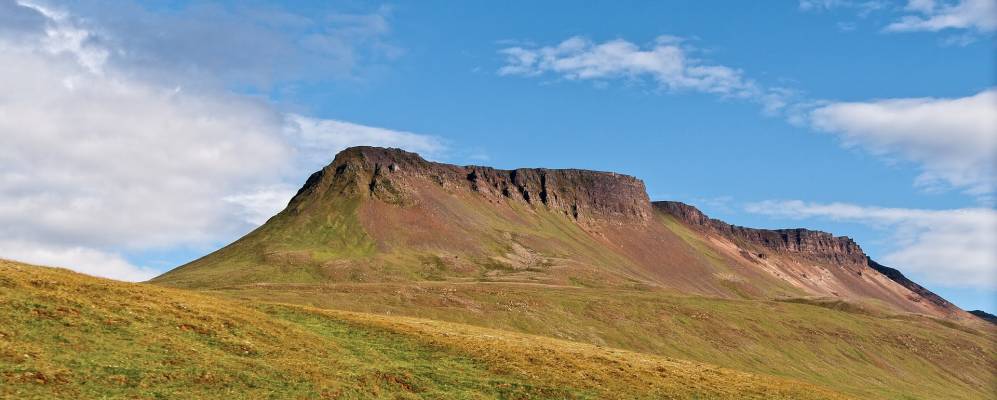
(137, 136)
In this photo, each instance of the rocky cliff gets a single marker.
(387, 215)
(811, 244)
(919, 290)
(393, 175)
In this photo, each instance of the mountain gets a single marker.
(587, 257)
(985, 316)
(66, 335)
(386, 215)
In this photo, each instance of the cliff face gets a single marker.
(393, 176)
(849, 263)
(919, 290)
(985, 316)
(387, 215)
(811, 244)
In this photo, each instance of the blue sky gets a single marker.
(871, 119)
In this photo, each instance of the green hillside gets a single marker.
(839, 345)
(586, 257)
(66, 335)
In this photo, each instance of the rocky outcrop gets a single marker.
(809, 243)
(985, 316)
(921, 291)
(391, 175)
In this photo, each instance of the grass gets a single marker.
(832, 344)
(291, 247)
(616, 287)
(66, 335)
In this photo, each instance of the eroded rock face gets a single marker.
(812, 244)
(390, 175)
(920, 291)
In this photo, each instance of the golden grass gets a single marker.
(66, 335)
(845, 348)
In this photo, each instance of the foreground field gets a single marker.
(856, 350)
(66, 335)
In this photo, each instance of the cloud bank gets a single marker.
(100, 159)
(953, 140)
(947, 247)
(934, 16)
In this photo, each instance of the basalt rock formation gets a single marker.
(921, 292)
(985, 316)
(387, 215)
(838, 251)
(808, 243)
(586, 196)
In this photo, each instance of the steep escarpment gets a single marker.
(831, 265)
(376, 214)
(391, 175)
(921, 292)
(985, 316)
(387, 215)
(585, 256)
(808, 243)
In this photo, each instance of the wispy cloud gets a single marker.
(315, 137)
(934, 16)
(965, 20)
(955, 247)
(238, 44)
(863, 7)
(99, 160)
(953, 140)
(669, 62)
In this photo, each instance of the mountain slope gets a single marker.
(985, 316)
(817, 262)
(586, 256)
(385, 215)
(66, 335)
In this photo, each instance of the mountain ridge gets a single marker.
(374, 213)
(575, 192)
(383, 231)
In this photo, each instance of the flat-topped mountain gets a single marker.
(387, 215)
(394, 176)
(587, 257)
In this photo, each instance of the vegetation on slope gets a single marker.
(66, 335)
(838, 345)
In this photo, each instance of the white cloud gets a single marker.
(667, 61)
(863, 7)
(929, 15)
(953, 140)
(96, 161)
(99, 159)
(80, 259)
(241, 44)
(955, 247)
(316, 137)
(257, 206)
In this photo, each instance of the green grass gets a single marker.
(591, 291)
(833, 344)
(291, 247)
(66, 335)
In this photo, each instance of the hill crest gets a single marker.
(584, 195)
(388, 215)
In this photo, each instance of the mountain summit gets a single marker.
(587, 257)
(387, 215)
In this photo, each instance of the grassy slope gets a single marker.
(67, 335)
(289, 248)
(852, 350)
(865, 355)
